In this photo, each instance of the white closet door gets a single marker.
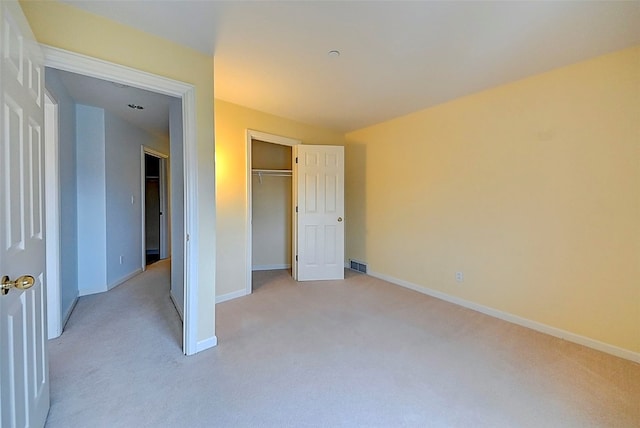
(320, 216)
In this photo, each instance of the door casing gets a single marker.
(274, 139)
(55, 321)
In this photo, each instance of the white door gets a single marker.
(320, 216)
(24, 391)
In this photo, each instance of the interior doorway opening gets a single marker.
(184, 154)
(155, 215)
(152, 210)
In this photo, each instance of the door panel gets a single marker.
(24, 391)
(320, 201)
(35, 179)
(12, 171)
(330, 242)
(35, 82)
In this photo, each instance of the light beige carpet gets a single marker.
(353, 353)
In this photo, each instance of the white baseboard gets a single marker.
(534, 325)
(271, 267)
(67, 314)
(206, 344)
(178, 308)
(89, 291)
(125, 278)
(102, 289)
(230, 296)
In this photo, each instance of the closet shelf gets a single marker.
(271, 172)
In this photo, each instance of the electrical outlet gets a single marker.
(121, 259)
(459, 276)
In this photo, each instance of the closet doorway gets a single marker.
(271, 211)
(155, 223)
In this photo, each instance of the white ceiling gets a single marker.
(115, 98)
(396, 57)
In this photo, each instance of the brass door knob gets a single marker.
(22, 283)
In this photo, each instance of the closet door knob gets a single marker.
(339, 219)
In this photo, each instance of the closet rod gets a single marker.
(271, 172)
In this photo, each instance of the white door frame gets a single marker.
(162, 186)
(274, 139)
(77, 63)
(52, 216)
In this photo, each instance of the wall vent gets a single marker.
(357, 266)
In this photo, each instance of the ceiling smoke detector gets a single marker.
(334, 54)
(135, 106)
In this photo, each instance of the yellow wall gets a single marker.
(69, 28)
(532, 189)
(232, 122)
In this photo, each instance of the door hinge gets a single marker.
(187, 237)
(296, 159)
(296, 257)
(296, 209)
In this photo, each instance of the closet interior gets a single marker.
(152, 208)
(271, 205)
